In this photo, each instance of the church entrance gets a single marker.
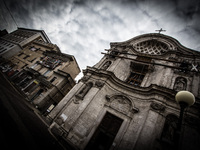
(105, 133)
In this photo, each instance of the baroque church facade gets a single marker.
(127, 100)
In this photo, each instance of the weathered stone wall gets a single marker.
(143, 108)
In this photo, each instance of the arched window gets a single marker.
(180, 84)
(170, 126)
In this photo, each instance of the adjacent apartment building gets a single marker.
(127, 100)
(37, 67)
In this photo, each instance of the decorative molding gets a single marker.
(84, 79)
(121, 103)
(61, 119)
(157, 107)
(152, 89)
(180, 84)
(99, 84)
(173, 44)
(76, 100)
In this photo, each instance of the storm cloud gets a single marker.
(84, 28)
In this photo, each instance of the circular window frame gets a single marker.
(151, 47)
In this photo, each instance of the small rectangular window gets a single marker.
(138, 70)
(46, 73)
(34, 66)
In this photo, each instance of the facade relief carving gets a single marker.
(180, 84)
(113, 53)
(76, 100)
(122, 104)
(157, 107)
(99, 84)
(84, 79)
(61, 119)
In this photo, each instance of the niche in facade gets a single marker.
(114, 53)
(106, 65)
(180, 84)
(84, 90)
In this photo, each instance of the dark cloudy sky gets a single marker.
(84, 28)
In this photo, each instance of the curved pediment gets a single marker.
(152, 47)
(154, 44)
(121, 103)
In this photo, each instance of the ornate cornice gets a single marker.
(177, 46)
(157, 107)
(152, 89)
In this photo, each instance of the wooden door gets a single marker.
(105, 133)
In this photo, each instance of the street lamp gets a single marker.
(184, 99)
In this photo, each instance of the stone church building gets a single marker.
(127, 100)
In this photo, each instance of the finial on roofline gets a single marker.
(161, 30)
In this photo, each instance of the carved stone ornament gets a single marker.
(157, 106)
(107, 98)
(99, 84)
(61, 119)
(180, 84)
(84, 79)
(121, 103)
(106, 65)
(151, 68)
(76, 100)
